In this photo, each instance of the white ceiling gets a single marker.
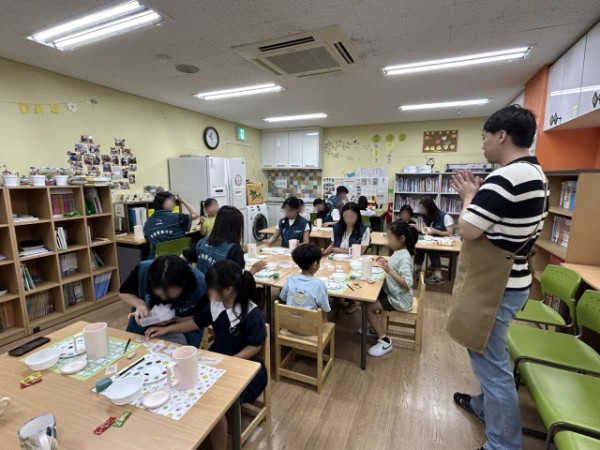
(383, 32)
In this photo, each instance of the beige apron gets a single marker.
(481, 278)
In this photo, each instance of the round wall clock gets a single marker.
(211, 138)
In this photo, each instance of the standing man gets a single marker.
(500, 221)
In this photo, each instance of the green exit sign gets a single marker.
(240, 133)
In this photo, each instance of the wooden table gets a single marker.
(589, 274)
(79, 411)
(365, 293)
(130, 239)
(270, 230)
(453, 250)
(378, 240)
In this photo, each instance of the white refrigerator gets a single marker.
(198, 177)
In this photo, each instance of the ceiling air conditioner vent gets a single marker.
(321, 51)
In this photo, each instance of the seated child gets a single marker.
(304, 290)
(397, 288)
(238, 326)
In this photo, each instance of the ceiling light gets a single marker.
(460, 61)
(299, 117)
(240, 92)
(101, 25)
(481, 101)
(575, 90)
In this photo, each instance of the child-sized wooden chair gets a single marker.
(319, 334)
(407, 326)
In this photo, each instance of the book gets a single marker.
(101, 284)
(561, 231)
(96, 261)
(92, 201)
(61, 239)
(39, 305)
(567, 194)
(3, 291)
(28, 281)
(73, 293)
(7, 316)
(63, 202)
(68, 264)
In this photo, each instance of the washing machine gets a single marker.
(256, 221)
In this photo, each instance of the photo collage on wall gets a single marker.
(120, 164)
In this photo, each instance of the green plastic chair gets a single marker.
(560, 282)
(174, 247)
(569, 440)
(566, 401)
(566, 351)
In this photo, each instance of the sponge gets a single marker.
(103, 384)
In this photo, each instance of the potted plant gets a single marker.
(37, 178)
(8, 178)
(60, 177)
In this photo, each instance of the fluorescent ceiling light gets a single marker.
(240, 92)
(101, 25)
(575, 90)
(299, 117)
(459, 61)
(481, 101)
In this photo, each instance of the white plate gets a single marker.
(73, 367)
(156, 399)
(325, 279)
(335, 285)
(341, 257)
(67, 349)
(152, 369)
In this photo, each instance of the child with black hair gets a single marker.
(292, 226)
(304, 290)
(238, 326)
(340, 198)
(208, 214)
(363, 204)
(407, 214)
(329, 216)
(397, 289)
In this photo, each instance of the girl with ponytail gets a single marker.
(237, 323)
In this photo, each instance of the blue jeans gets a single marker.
(434, 259)
(498, 402)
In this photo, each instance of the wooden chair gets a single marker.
(319, 334)
(400, 324)
(207, 338)
(260, 410)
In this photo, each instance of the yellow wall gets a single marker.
(153, 130)
(349, 148)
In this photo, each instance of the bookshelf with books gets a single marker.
(58, 285)
(571, 230)
(66, 203)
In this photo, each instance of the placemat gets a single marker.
(331, 287)
(375, 277)
(115, 351)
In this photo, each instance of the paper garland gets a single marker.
(39, 109)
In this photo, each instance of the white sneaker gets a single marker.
(434, 279)
(370, 332)
(381, 348)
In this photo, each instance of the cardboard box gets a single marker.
(254, 193)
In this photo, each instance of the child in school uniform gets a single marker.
(397, 289)
(210, 207)
(304, 290)
(238, 326)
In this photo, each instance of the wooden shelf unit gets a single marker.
(585, 228)
(36, 201)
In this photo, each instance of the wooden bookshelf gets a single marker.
(38, 202)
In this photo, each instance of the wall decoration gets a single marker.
(402, 137)
(303, 183)
(440, 141)
(376, 139)
(39, 108)
(375, 153)
(341, 148)
(369, 187)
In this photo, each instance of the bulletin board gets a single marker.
(367, 186)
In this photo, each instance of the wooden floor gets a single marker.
(402, 400)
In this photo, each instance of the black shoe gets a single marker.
(464, 401)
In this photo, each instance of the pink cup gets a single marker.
(356, 251)
(96, 340)
(252, 250)
(184, 373)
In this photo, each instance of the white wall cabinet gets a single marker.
(571, 81)
(553, 100)
(589, 99)
(294, 149)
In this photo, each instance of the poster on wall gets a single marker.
(440, 141)
(368, 186)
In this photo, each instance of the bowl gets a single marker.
(339, 276)
(356, 265)
(340, 257)
(125, 390)
(43, 359)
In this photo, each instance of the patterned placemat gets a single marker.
(115, 351)
(379, 276)
(336, 287)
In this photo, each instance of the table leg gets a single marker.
(363, 337)
(235, 419)
(269, 305)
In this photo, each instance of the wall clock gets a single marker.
(211, 138)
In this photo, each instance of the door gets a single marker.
(188, 176)
(571, 81)
(268, 150)
(217, 180)
(236, 169)
(311, 149)
(295, 149)
(589, 99)
(281, 149)
(553, 99)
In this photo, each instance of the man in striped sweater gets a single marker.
(507, 208)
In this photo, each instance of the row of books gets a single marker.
(73, 293)
(68, 264)
(92, 201)
(137, 216)
(446, 186)
(7, 316)
(101, 284)
(63, 201)
(561, 231)
(29, 280)
(451, 204)
(414, 202)
(567, 194)
(40, 305)
(61, 239)
(414, 184)
(96, 261)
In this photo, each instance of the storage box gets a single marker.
(254, 193)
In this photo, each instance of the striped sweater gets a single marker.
(508, 208)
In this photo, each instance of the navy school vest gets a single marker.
(294, 231)
(208, 254)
